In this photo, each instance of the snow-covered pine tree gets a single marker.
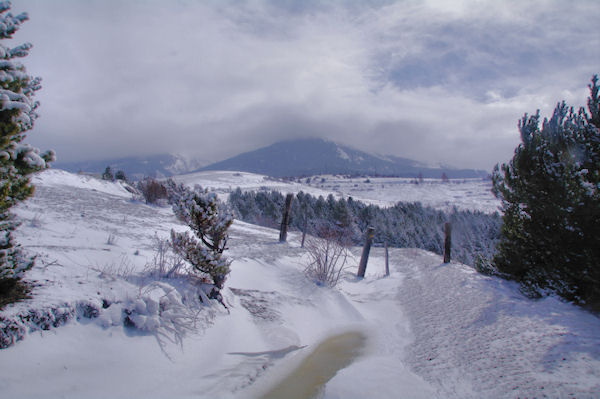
(108, 174)
(209, 220)
(550, 193)
(120, 175)
(17, 159)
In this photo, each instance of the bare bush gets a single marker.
(36, 220)
(168, 313)
(114, 270)
(153, 191)
(165, 262)
(327, 257)
(111, 239)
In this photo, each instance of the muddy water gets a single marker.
(330, 356)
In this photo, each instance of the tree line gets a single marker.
(405, 225)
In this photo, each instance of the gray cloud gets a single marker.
(434, 81)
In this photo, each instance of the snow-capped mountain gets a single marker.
(302, 157)
(307, 157)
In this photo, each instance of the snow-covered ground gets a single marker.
(468, 194)
(431, 330)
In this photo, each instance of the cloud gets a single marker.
(425, 80)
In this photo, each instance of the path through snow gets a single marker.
(477, 336)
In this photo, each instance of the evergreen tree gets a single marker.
(209, 221)
(551, 202)
(17, 159)
(108, 174)
(120, 175)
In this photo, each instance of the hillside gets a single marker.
(161, 165)
(428, 330)
(308, 157)
(468, 194)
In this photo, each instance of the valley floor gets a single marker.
(432, 330)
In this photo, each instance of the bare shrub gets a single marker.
(165, 262)
(121, 269)
(111, 239)
(153, 191)
(167, 312)
(36, 220)
(327, 254)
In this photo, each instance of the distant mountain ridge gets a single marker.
(291, 158)
(307, 157)
(162, 165)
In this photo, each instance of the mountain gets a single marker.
(161, 165)
(303, 157)
(306, 157)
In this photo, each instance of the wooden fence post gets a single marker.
(286, 218)
(304, 233)
(362, 267)
(447, 241)
(387, 260)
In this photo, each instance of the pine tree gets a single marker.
(550, 193)
(17, 159)
(120, 175)
(209, 221)
(108, 174)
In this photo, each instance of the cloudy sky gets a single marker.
(432, 80)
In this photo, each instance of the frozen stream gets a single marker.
(308, 379)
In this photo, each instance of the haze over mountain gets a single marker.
(291, 158)
(306, 157)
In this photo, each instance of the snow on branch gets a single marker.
(9, 24)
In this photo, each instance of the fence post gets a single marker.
(447, 241)
(387, 260)
(362, 266)
(286, 218)
(304, 233)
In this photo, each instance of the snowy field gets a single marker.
(468, 194)
(430, 330)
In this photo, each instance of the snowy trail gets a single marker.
(477, 336)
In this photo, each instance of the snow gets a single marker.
(342, 154)
(467, 194)
(58, 178)
(432, 330)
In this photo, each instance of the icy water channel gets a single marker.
(310, 377)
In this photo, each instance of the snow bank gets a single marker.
(57, 177)
(478, 336)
